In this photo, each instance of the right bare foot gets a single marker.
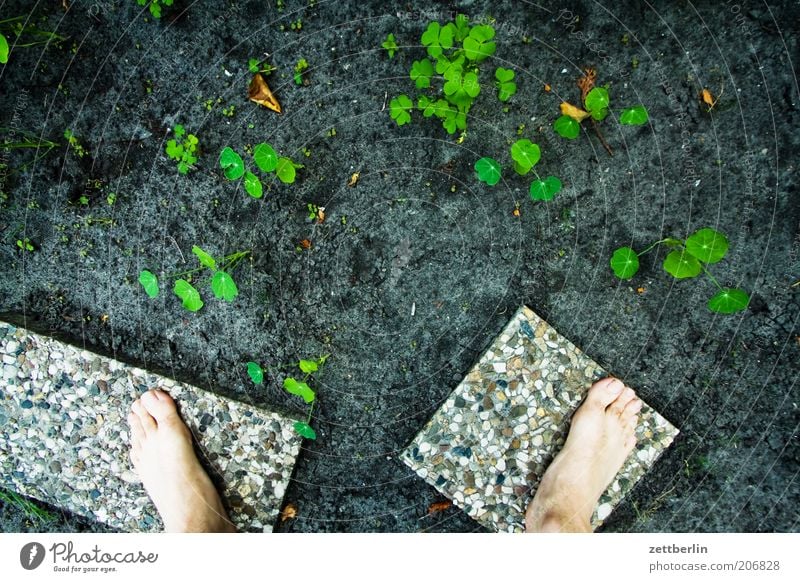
(600, 438)
(162, 453)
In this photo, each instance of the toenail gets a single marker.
(616, 386)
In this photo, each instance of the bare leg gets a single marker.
(600, 439)
(161, 451)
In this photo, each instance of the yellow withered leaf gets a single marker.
(575, 113)
(259, 92)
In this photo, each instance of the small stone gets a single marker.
(26, 404)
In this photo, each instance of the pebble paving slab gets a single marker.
(64, 436)
(488, 445)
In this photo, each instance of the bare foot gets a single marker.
(600, 438)
(161, 451)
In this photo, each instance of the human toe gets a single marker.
(604, 392)
(631, 409)
(146, 420)
(160, 406)
(624, 398)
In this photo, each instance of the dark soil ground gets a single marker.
(419, 230)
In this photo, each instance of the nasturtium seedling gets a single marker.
(399, 109)
(3, 49)
(265, 157)
(205, 259)
(231, 163)
(681, 265)
(525, 155)
(634, 116)
(421, 72)
(300, 389)
(390, 44)
(150, 283)
(729, 301)
(308, 366)
(597, 103)
(255, 372)
(477, 46)
(285, 170)
(506, 87)
(253, 185)
(707, 245)
(223, 286)
(544, 190)
(188, 294)
(567, 127)
(438, 38)
(488, 171)
(624, 262)
(304, 430)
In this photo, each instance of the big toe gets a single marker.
(604, 392)
(160, 406)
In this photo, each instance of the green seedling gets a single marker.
(259, 66)
(688, 259)
(267, 160)
(421, 73)
(597, 108)
(390, 45)
(525, 155)
(3, 49)
(25, 245)
(74, 144)
(221, 282)
(488, 171)
(400, 109)
(297, 25)
(300, 388)
(155, 6)
(506, 87)
(299, 71)
(19, 139)
(31, 510)
(183, 151)
(25, 35)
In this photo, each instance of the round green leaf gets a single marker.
(308, 366)
(567, 127)
(223, 286)
(253, 185)
(682, 265)
(707, 245)
(526, 154)
(232, 163)
(300, 389)
(599, 114)
(205, 259)
(729, 301)
(624, 262)
(255, 372)
(305, 430)
(265, 157)
(634, 116)
(149, 282)
(545, 189)
(488, 171)
(285, 170)
(3, 50)
(188, 294)
(597, 99)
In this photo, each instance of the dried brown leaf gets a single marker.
(289, 512)
(439, 506)
(574, 112)
(259, 92)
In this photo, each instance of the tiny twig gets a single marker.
(177, 247)
(601, 138)
(385, 96)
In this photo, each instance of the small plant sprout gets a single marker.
(400, 109)
(688, 259)
(25, 245)
(421, 73)
(390, 45)
(260, 66)
(155, 6)
(488, 171)
(3, 50)
(299, 71)
(296, 387)
(74, 144)
(183, 151)
(267, 160)
(506, 87)
(221, 283)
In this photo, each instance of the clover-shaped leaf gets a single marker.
(305, 430)
(231, 163)
(453, 120)
(445, 66)
(729, 301)
(567, 127)
(461, 26)
(390, 44)
(546, 189)
(488, 171)
(707, 245)
(624, 262)
(149, 282)
(634, 116)
(506, 87)
(255, 372)
(421, 72)
(300, 389)
(188, 294)
(253, 185)
(223, 286)
(205, 259)
(438, 38)
(525, 155)
(477, 46)
(399, 109)
(681, 265)
(265, 157)
(461, 89)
